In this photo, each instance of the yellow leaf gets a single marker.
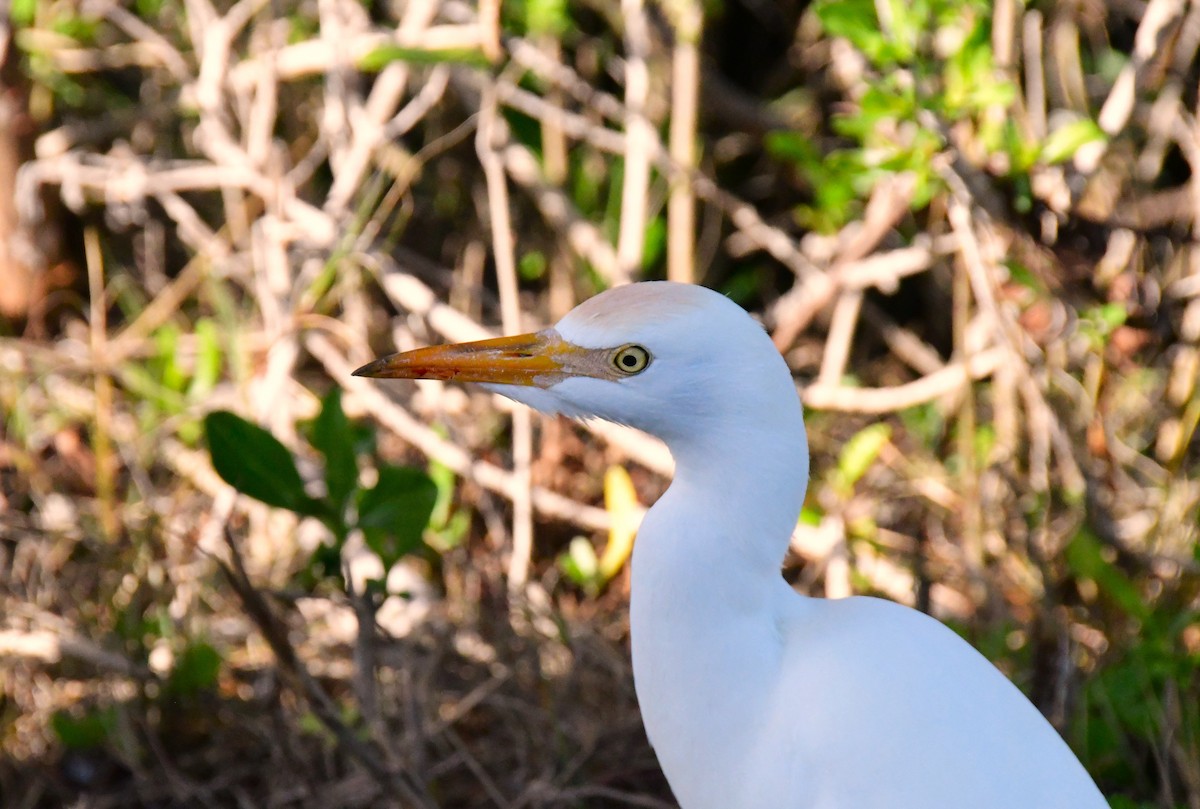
(620, 500)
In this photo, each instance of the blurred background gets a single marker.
(231, 574)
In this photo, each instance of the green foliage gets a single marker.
(542, 18)
(926, 96)
(331, 435)
(926, 423)
(744, 285)
(87, 730)
(195, 670)
(33, 20)
(1062, 144)
(1099, 322)
(22, 12)
(150, 9)
(859, 454)
(810, 515)
(532, 265)
(392, 514)
(654, 244)
(581, 565)
(1146, 694)
(985, 441)
(1121, 802)
(256, 463)
(447, 526)
(384, 55)
(81, 28)
(1020, 274)
(839, 181)
(174, 379)
(207, 369)
(547, 17)
(858, 21)
(970, 83)
(930, 68)
(1086, 559)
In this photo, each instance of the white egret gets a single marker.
(753, 696)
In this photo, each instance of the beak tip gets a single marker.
(370, 369)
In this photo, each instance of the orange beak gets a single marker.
(524, 359)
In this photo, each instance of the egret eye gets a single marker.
(630, 359)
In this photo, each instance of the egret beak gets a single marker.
(524, 359)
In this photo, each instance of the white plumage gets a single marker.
(754, 696)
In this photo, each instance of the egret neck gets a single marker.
(708, 598)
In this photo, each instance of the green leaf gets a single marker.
(383, 56)
(23, 12)
(334, 438)
(859, 453)
(985, 442)
(1018, 273)
(142, 381)
(1113, 315)
(547, 17)
(254, 462)
(195, 670)
(925, 422)
(208, 360)
(325, 563)
(581, 565)
(855, 20)
(909, 22)
(86, 732)
(1064, 142)
(744, 284)
(78, 27)
(451, 533)
(792, 147)
(532, 265)
(1085, 558)
(970, 75)
(444, 479)
(166, 345)
(393, 514)
(811, 516)
(1098, 322)
(654, 244)
(149, 10)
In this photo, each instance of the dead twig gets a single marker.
(639, 140)
(259, 611)
(688, 20)
(947, 381)
(510, 309)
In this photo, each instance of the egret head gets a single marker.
(671, 359)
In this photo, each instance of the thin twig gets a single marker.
(947, 381)
(688, 19)
(639, 141)
(102, 446)
(510, 309)
(259, 611)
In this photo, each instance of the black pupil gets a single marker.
(629, 360)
